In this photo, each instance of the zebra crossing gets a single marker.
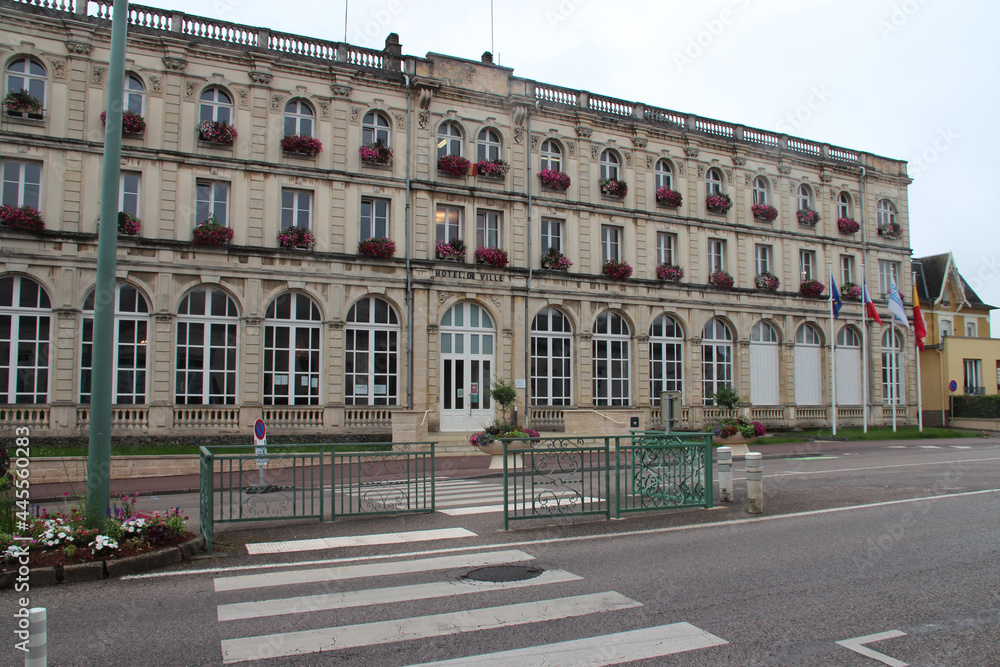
(462, 497)
(361, 606)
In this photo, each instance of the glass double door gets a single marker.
(466, 369)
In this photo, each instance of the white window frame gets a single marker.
(713, 182)
(130, 193)
(807, 264)
(448, 224)
(215, 104)
(299, 118)
(217, 201)
(552, 234)
(205, 317)
(886, 270)
(551, 358)
(451, 140)
(885, 213)
(33, 82)
(844, 205)
(611, 243)
(666, 245)
(946, 326)
(971, 329)
(760, 191)
(375, 127)
(488, 145)
(138, 320)
(304, 338)
(716, 255)
(804, 195)
(892, 382)
(134, 96)
(716, 359)
(550, 155)
(371, 349)
(846, 269)
(488, 228)
(22, 189)
(612, 360)
(762, 258)
(664, 174)
(296, 208)
(972, 370)
(24, 317)
(666, 357)
(374, 218)
(610, 164)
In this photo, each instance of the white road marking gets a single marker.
(929, 447)
(368, 570)
(856, 646)
(420, 627)
(594, 651)
(897, 446)
(895, 465)
(961, 447)
(372, 596)
(255, 548)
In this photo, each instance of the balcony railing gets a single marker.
(975, 391)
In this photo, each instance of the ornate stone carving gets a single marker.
(740, 161)
(746, 179)
(400, 121)
(164, 317)
(691, 151)
(518, 135)
(442, 297)
(628, 158)
(680, 168)
(276, 101)
(571, 147)
(340, 90)
(593, 152)
(520, 113)
(496, 301)
(253, 321)
(534, 142)
(59, 68)
(175, 64)
(423, 119)
(584, 132)
(155, 82)
(189, 89)
(784, 171)
(826, 178)
(639, 142)
(244, 96)
(649, 162)
(434, 328)
(355, 114)
(586, 336)
(642, 339)
(729, 175)
(324, 107)
(701, 170)
(337, 324)
(98, 73)
(261, 78)
(425, 97)
(79, 48)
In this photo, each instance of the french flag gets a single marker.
(870, 306)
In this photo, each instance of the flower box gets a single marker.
(767, 281)
(382, 248)
(301, 144)
(453, 251)
(851, 291)
(25, 217)
(721, 279)
(811, 288)
(494, 257)
(128, 225)
(736, 431)
(764, 212)
(213, 132)
(669, 272)
(669, 198)
(554, 180)
(807, 217)
(211, 233)
(492, 168)
(376, 153)
(555, 260)
(454, 165)
(132, 123)
(892, 230)
(848, 226)
(612, 187)
(22, 103)
(719, 203)
(296, 237)
(617, 270)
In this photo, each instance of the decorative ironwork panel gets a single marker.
(288, 486)
(659, 471)
(391, 482)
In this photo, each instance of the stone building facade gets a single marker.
(325, 339)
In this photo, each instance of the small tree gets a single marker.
(727, 397)
(505, 396)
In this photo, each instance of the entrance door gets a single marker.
(467, 341)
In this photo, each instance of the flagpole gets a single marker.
(894, 375)
(833, 337)
(916, 350)
(864, 349)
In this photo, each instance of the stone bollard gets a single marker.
(725, 474)
(37, 655)
(755, 483)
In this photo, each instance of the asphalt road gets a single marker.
(895, 547)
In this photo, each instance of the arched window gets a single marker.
(664, 175)
(611, 360)
(892, 369)
(128, 384)
(713, 182)
(716, 359)
(298, 118)
(551, 358)
(449, 139)
(207, 339)
(760, 191)
(764, 380)
(375, 128)
(371, 366)
(805, 197)
(551, 155)
(844, 205)
(666, 357)
(25, 330)
(26, 73)
(488, 146)
(808, 366)
(848, 361)
(135, 95)
(292, 327)
(885, 213)
(848, 337)
(609, 164)
(215, 105)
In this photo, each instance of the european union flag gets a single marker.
(835, 298)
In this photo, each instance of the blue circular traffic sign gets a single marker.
(258, 429)
(953, 385)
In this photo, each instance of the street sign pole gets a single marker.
(260, 449)
(952, 386)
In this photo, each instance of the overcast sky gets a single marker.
(917, 80)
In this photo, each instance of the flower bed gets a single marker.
(556, 180)
(376, 153)
(767, 281)
(296, 237)
(617, 270)
(489, 440)
(25, 217)
(764, 212)
(811, 288)
(301, 144)
(848, 225)
(454, 165)
(667, 197)
(851, 291)
(721, 279)
(494, 257)
(211, 233)
(492, 168)
(612, 187)
(738, 426)
(128, 225)
(21, 102)
(719, 203)
(555, 260)
(453, 250)
(892, 230)
(217, 133)
(669, 272)
(808, 217)
(132, 123)
(382, 247)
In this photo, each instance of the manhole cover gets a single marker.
(501, 573)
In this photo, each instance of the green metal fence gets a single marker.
(389, 482)
(655, 471)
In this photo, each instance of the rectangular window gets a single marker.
(374, 218)
(610, 244)
(846, 269)
(488, 229)
(886, 271)
(448, 224)
(665, 244)
(974, 376)
(22, 184)
(762, 259)
(807, 264)
(128, 193)
(296, 208)
(970, 329)
(212, 199)
(716, 255)
(552, 236)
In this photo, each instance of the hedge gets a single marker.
(977, 407)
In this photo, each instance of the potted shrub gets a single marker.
(667, 197)
(454, 250)
(454, 165)
(719, 203)
(736, 431)
(847, 225)
(301, 144)
(128, 225)
(132, 123)
(382, 248)
(764, 212)
(22, 102)
(492, 168)
(488, 440)
(213, 132)
(212, 233)
(24, 217)
(812, 288)
(721, 279)
(494, 257)
(554, 180)
(767, 281)
(617, 270)
(892, 230)
(807, 217)
(376, 153)
(555, 260)
(669, 272)
(851, 291)
(612, 187)
(296, 237)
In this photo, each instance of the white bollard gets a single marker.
(725, 474)
(37, 655)
(755, 483)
